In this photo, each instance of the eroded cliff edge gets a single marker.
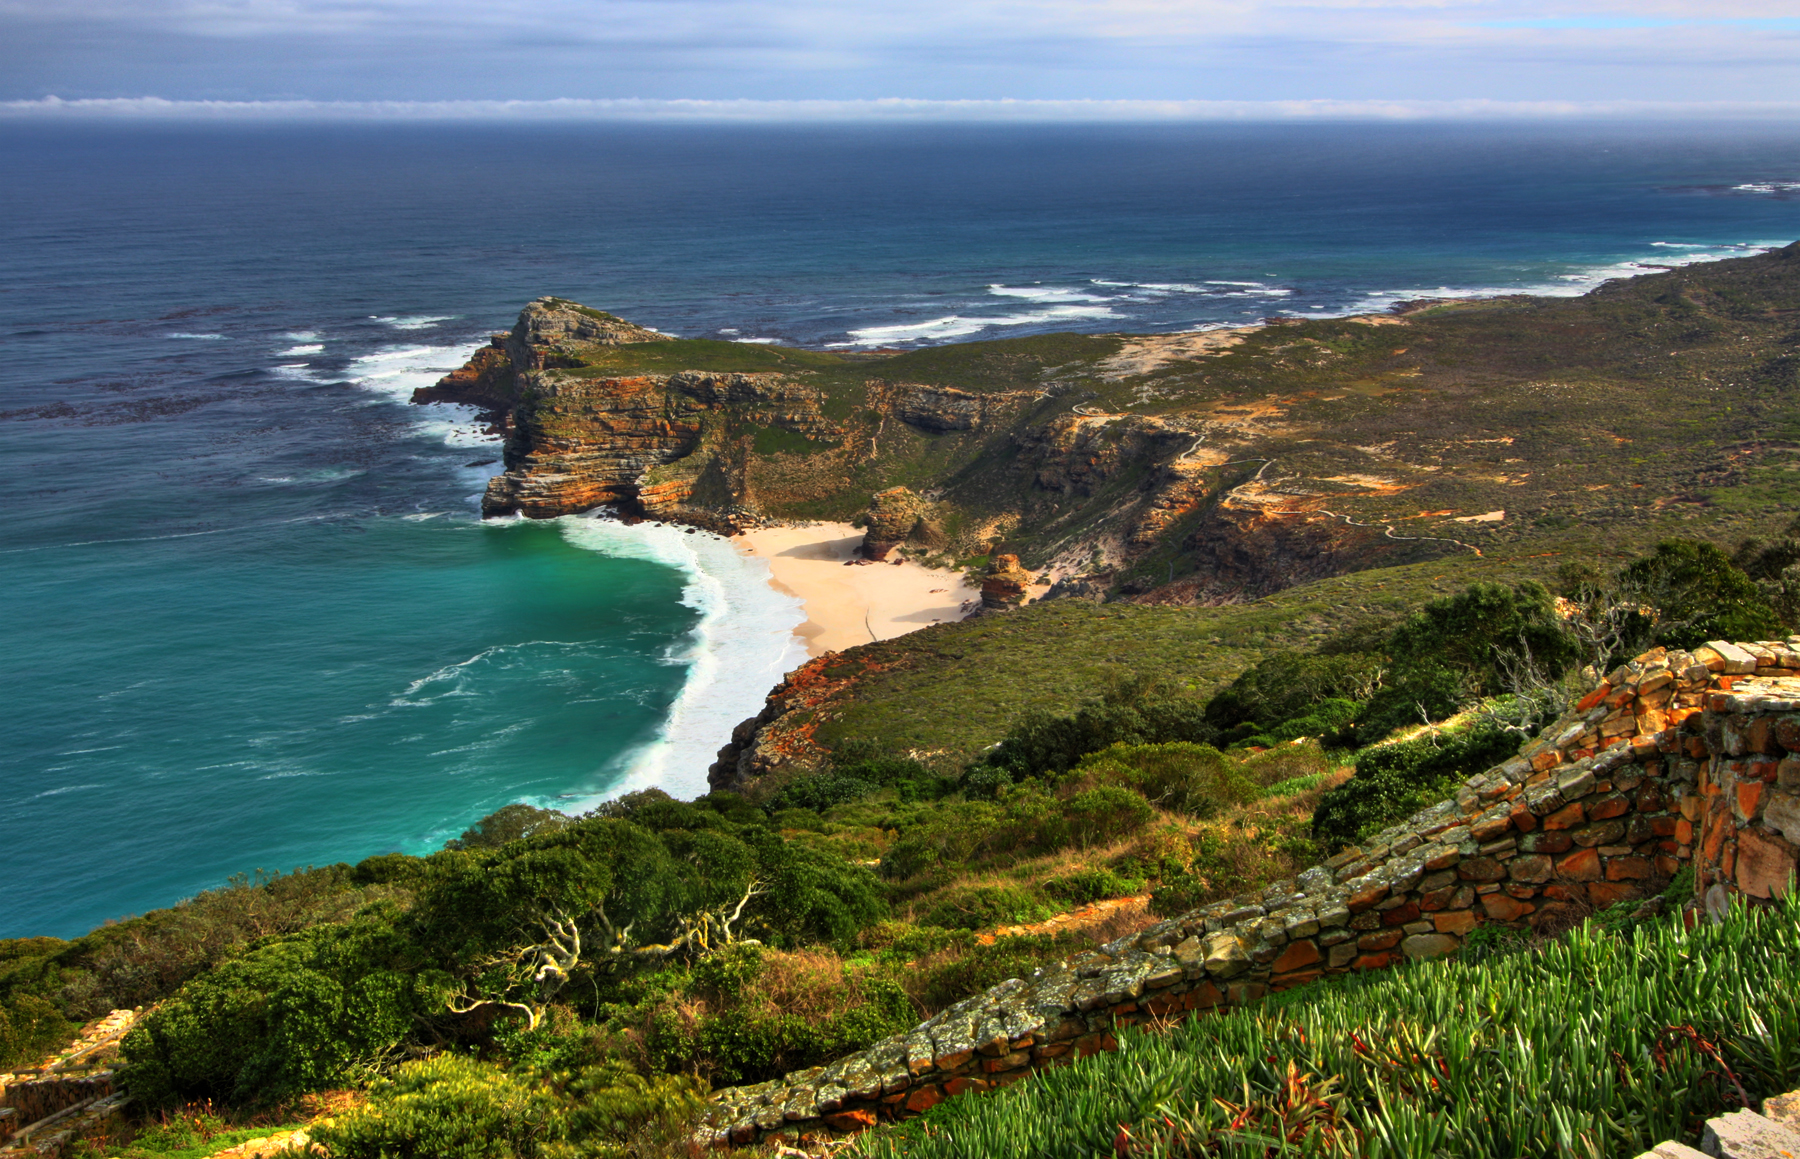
(1184, 468)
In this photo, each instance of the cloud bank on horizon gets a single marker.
(806, 59)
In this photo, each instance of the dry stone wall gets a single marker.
(1603, 806)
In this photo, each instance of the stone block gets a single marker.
(1456, 922)
(1783, 1109)
(1782, 813)
(1342, 955)
(1297, 956)
(1607, 807)
(1599, 833)
(1747, 800)
(1225, 956)
(1481, 869)
(1535, 868)
(1366, 895)
(1629, 869)
(1401, 914)
(1372, 961)
(1559, 842)
(1429, 945)
(1764, 863)
(1502, 908)
(1747, 1135)
(963, 1084)
(1736, 661)
(1567, 817)
(1385, 940)
(1582, 865)
(922, 1099)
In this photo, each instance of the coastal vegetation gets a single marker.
(1315, 575)
(549, 985)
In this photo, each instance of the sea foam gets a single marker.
(741, 648)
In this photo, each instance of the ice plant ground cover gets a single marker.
(1599, 1044)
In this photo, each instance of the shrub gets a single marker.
(1185, 778)
(1394, 781)
(979, 907)
(1092, 884)
(448, 1107)
(1700, 595)
(30, 1028)
(750, 1013)
(294, 1015)
(1105, 813)
(1291, 686)
(509, 824)
(1132, 712)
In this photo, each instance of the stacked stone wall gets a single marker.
(1601, 807)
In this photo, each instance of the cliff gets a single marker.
(1178, 469)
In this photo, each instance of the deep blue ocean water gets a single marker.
(248, 615)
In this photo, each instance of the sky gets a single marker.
(825, 57)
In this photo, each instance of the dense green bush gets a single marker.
(30, 1028)
(1291, 685)
(749, 1014)
(296, 1014)
(979, 907)
(1132, 712)
(1700, 595)
(509, 824)
(1092, 884)
(452, 1107)
(1396, 780)
(1194, 779)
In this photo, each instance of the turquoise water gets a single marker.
(248, 614)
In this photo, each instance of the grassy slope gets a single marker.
(954, 688)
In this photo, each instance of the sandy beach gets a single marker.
(853, 603)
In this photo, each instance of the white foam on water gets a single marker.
(412, 321)
(957, 325)
(741, 648)
(396, 371)
(1042, 293)
(206, 337)
(1570, 285)
(757, 341)
(1767, 187)
(304, 348)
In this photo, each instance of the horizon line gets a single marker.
(885, 109)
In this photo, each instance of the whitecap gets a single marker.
(305, 348)
(61, 791)
(758, 341)
(1767, 187)
(957, 325)
(1042, 293)
(412, 321)
(206, 337)
(743, 645)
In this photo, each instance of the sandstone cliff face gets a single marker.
(645, 442)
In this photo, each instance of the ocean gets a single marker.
(249, 616)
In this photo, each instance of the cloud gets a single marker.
(890, 109)
(1219, 50)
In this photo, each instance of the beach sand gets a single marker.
(855, 604)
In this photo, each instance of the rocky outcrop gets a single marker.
(940, 409)
(781, 735)
(648, 443)
(1005, 585)
(1645, 774)
(898, 516)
